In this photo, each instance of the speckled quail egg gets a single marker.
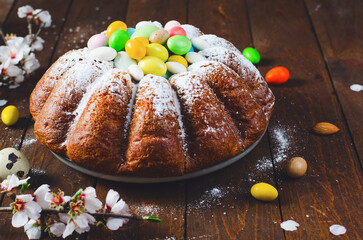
(13, 161)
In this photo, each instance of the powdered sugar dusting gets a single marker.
(336, 229)
(3, 102)
(216, 41)
(191, 31)
(130, 106)
(281, 139)
(289, 225)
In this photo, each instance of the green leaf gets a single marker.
(24, 187)
(152, 219)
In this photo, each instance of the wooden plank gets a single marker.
(5, 7)
(330, 193)
(167, 201)
(219, 204)
(343, 55)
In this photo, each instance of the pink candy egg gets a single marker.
(169, 25)
(97, 40)
(178, 30)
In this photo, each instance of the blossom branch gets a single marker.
(3, 36)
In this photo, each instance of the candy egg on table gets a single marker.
(157, 50)
(114, 26)
(296, 167)
(144, 40)
(159, 36)
(252, 55)
(135, 49)
(12, 161)
(118, 40)
(152, 65)
(144, 31)
(264, 192)
(103, 53)
(277, 75)
(177, 30)
(169, 25)
(179, 44)
(136, 72)
(175, 67)
(123, 60)
(10, 115)
(97, 40)
(178, 59)
(194, 57)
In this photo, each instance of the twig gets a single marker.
(3, 37)
(34, 38)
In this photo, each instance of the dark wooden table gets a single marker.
(319, 41)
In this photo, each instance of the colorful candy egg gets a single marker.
(191, 49)
(146, 23)
(144, 31)
(178, 59)
(169, 25)
(10, 115)
(179, 44)
(13, 161)
(157, 50)
(167, 75)
(194, 57)
(116, 25)
(97, 40)
(159, 36)
(152, 65)
(175, 67)
(144, 40)
(264, 192)
(131, 31)
(123, 60)
(135, 49)
(118, 40)
(277, 75)
(252, 55)
(177, 30)
(136, 72)
(103, 53)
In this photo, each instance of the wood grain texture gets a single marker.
(219, 205)
(341, 44)
(323, 197)
(5, 7)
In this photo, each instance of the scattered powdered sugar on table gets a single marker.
(282, 141)
(289, 225)
(3, 102)
(336, 229)
(14, 86)
(29, 141)
(264, 164)
(356, 87)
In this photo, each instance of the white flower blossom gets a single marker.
(114, 205)
(12, 71)
(43, 16)
(10, 54)
(79, 223)
(37, 44)
(24, 208)
(91, 202)
(11, 182)
(24, 11)
(31, 63)
(57, 228)
(57, 200)
(39, 196)
(32, 229)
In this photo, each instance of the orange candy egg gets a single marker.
(144, 40)
(116, 25)
(277, 75)
(135, 49)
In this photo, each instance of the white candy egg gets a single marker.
(175, 67)
(136, 72)
(103, 53)
(123, 60)
(13, 161)
(194, 57)
(145, 23)
(169, 25)
(200, 43)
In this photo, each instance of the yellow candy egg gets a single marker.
(144, 40)
(152, 65)
(135, 49)
(157, 50)
(10, 115)
(178, 59)
(116, 25)
(264, 192)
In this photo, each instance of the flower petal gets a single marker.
(81, 221)
(114, 223)
(57, 229)
(112, 197)
(64, 217)
(19, 219)
(69, 229)
(32, 209)
(33, 233)
(120, 207)
(25, 197)
(82, 230)
(93, 204)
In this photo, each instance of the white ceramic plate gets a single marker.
(131, 179)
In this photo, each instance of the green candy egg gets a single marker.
(152, 65)
(179, 44)
(252, 55)
(157, 50)
(144, 31)
(118, 40)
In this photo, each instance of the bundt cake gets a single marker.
(109, 111)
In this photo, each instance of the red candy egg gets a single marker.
(277, 75)
(178, 30)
